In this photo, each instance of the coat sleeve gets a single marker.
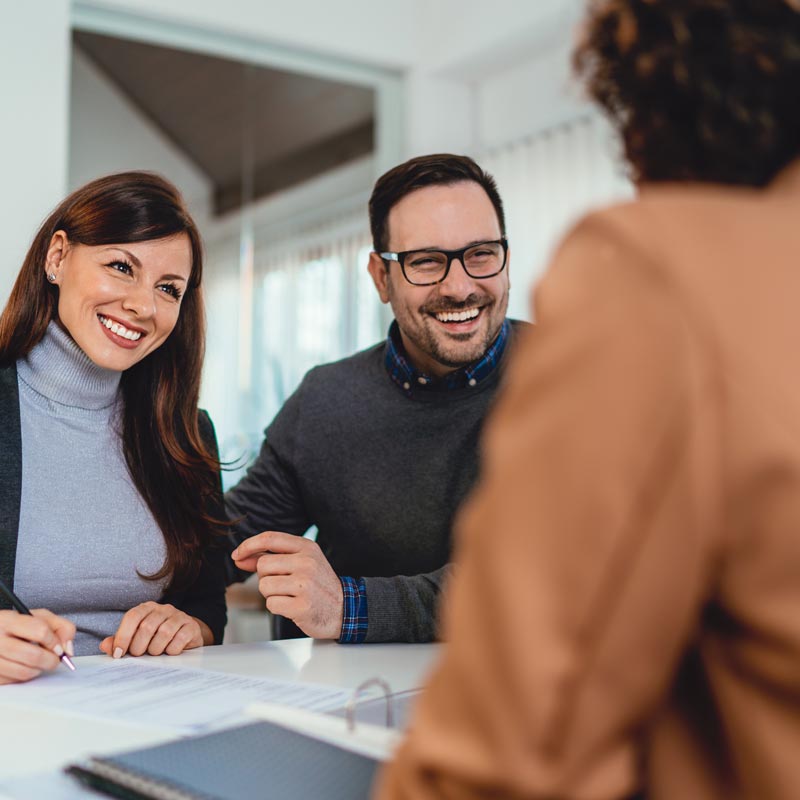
(583, 554)
(205, 597)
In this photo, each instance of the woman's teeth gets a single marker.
(119, 329)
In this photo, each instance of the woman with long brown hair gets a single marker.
(109, 479)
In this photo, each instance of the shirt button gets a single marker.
(422, 380)
(406, 385)
(473, 382)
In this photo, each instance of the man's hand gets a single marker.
(296, 580)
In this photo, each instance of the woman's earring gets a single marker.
(51, 276)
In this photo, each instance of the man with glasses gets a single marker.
(379, 449)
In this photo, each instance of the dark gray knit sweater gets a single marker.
(379, 473)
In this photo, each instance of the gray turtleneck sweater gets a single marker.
(84, 531)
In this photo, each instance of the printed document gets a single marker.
(148, 693)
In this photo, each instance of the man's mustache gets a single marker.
(445, 304)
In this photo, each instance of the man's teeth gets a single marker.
(458, 316)
(120, 330)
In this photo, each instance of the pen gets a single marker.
(23, 609)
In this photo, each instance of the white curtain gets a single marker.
(313, 302)
(317, 304)
(547, 182)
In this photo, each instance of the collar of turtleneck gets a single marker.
(59, 370)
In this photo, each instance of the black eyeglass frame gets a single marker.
(452, 255)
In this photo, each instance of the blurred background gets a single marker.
(274, 120)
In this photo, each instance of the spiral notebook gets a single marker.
(259, 760)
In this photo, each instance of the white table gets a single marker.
(33, 741)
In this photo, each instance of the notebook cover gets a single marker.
(261, 760)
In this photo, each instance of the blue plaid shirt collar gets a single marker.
(407, 377)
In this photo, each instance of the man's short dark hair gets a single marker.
(441, 169)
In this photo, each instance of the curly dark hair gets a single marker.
(701, 90)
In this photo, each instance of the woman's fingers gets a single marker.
(165, 633)
(27, 654)
(13, 672)
(30, 645)
(61, 627)
(129, 629)
(185, 638)
(37, 629)
(154, 629)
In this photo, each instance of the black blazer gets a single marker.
(204, 598)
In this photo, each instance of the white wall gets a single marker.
(34, 82)
(479, 82)
(531, 95)
(468, 38)
(373, 31)
(108, 134)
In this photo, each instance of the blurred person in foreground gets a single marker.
(625, 621)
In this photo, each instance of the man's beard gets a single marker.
(440, 346)
(453, 361)
(438, 349)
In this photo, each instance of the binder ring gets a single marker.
(350, 708)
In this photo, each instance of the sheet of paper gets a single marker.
(148, 693)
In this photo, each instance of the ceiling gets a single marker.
(225, 115)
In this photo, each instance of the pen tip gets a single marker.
(68, 661)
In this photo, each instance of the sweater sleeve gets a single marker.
(403, 608)
(204, 598)
(268, 497)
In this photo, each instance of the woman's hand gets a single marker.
(32, 645)
(156, 628)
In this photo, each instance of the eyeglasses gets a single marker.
(427, 267)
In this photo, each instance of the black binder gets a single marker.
(261, 760)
